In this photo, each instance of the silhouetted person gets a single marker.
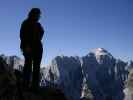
(31, 34)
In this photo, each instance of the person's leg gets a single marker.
(27, 70)
(37, 57)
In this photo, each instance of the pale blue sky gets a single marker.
(72, 27)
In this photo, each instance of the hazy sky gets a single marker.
(72, 27)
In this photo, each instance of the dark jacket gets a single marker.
(31, 34)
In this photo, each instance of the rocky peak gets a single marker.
(100, 51)
(101, 55)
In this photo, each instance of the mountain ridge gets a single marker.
(97, 75)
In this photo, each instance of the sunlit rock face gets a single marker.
(104, 75)
(128, 91)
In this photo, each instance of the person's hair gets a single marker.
(34, 11)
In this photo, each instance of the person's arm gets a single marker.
(24, 34)
(25, 44)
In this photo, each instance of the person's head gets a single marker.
(34, 14)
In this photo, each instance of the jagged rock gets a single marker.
(66, 72)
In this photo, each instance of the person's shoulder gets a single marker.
(25, 22)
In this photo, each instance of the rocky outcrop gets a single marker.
(11, 87)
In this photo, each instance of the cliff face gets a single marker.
(103, 74)
(67, 73)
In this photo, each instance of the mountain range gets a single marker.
(96, 76)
